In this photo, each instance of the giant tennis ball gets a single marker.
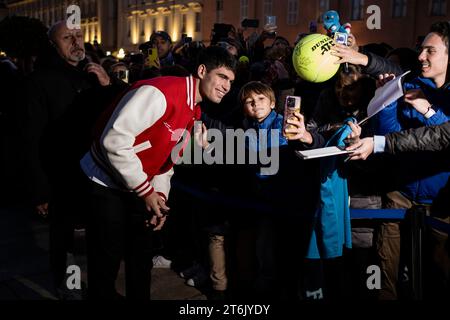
(312, 58)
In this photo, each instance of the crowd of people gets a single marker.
(94, 142)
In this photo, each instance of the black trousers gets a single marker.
(67, 212)
(116, 230)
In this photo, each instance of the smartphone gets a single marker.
(187, 39)
(342, 38)
(152, 58)
(291, 106)
(123, 75)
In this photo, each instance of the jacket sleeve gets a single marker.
(138, 110)
(161, 183)
(435, 138)
(378, 65)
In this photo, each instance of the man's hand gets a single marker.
(362, 149)
(101, 74)
(201, 136)
(156, 205)
(42, 209)
(417, 99)
(298, 131)
(349, 55)
(384, 78)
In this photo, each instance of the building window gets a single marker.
(219, 10)
(357, 9)
(324, 6)
(198, 22)
(183, 23)
(166, 23)
(244, 9)
(292, 15)
(268, 7)
(438, 7)
(399, 8)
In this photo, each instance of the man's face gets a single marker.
(162, 45)
(216, 83)
(69, 44)
(433, 57)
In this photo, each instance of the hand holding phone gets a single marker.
(342, 38)
(292, 106)
(152, 60)
(271, 26)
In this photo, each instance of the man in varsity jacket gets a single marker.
(130, 165)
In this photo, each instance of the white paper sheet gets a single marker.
(386, 95)
(321, 152)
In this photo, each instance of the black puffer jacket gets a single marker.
(435, 138)
(431, 139)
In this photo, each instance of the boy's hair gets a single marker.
(215, 57)
(256, 87)
(442, 28)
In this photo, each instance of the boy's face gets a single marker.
(257, 106)
(215, 84)
(433, 57)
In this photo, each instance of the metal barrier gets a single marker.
(416, 219)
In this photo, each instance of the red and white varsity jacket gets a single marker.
(134, 139)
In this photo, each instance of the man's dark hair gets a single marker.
(215, 57)
(442, 28)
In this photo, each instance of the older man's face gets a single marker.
(69, 44)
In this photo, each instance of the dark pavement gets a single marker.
(24, 266)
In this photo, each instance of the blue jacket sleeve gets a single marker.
(438, 118)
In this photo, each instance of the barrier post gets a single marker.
(416, 218)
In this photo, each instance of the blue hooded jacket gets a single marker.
(332, 229)
(400, 116)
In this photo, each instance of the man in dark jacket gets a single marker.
(51, 174)
(425, 139)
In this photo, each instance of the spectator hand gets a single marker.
(42, 209)
(362, 149)
(349, 55)
(417, 99)
(353, 137)
(201, 135)
(101, 74)
(297, 129)
(156, 205)
(384, 78)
